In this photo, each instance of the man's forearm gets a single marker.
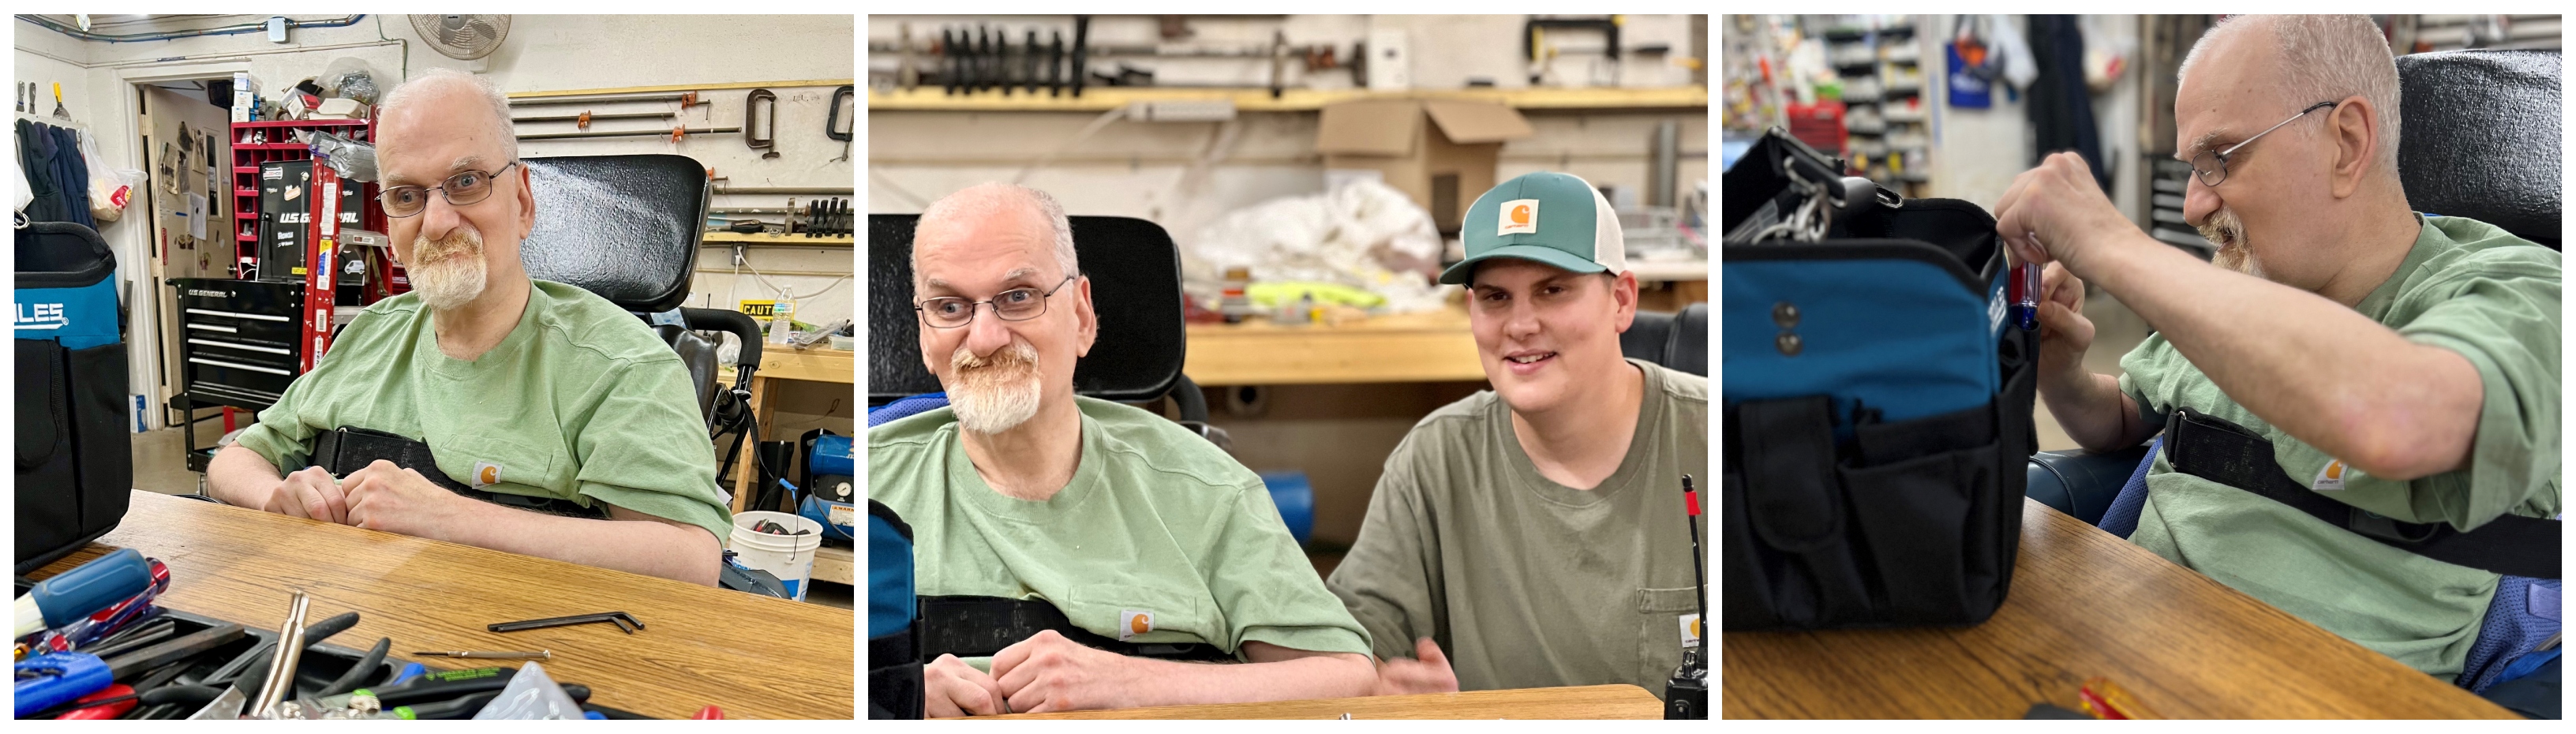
(647, 547)
(2322, 372)
(2095, 413)
(241, 477)
(1337, 675)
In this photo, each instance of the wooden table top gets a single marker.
(2086, 603)
(1432, 346)
(1577, 702)
(816, 364)
(757, 657)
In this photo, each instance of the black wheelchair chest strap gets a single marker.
(2220, 451)
(979, 626)
(348, 448)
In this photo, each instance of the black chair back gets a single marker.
(1135, 273)
(2479, 138)
(1677, 341)
(623, 226)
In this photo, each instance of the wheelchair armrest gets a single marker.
(743, 328)
(2081, 483)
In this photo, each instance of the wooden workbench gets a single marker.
(1577, 702)
(837, 565)
(1432, 346)
(756, 657)
(2086, 603)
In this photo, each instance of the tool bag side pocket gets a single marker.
(1786, 519)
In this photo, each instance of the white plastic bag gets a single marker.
(1362, 233)
(109, 189)
(24, 193)
(530, 695)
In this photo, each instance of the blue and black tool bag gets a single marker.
(894, 643)
(75, 468)
(1877, 402)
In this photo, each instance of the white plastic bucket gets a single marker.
(789, 557)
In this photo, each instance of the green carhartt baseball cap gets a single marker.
(1553, 218)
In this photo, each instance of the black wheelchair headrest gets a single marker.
(623, 226)
(2478, 137)
(1135, 273)
(1677, 341)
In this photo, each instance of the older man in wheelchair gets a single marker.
(492, 408)
(2356, 407)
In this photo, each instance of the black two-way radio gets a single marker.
(1686, 695)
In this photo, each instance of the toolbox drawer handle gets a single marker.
(244, 347)
(239, 366)
(262, 317)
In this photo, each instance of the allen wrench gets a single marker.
(625, 622)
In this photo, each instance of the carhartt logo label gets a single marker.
(2332, 477)
(1519, 216)
(486, 474)
(1690, 630)
(1133, 622)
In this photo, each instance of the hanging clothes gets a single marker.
(72, 177)
(2061, 108)
(47, 202)
(56, 175)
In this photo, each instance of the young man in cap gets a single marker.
(1533, 532)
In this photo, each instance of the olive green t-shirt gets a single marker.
(580, 402)
(1524, 582)
(2467, 287)
(1156, 520)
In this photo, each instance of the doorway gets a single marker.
(185, 147)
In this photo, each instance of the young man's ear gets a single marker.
(1623, 290)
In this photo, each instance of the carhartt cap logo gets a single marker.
(1519, 216)
(1133, 622)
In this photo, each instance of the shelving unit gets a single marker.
(1883, 86)
(247, 158)
(275, 144)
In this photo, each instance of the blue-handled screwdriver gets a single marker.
(68, 596)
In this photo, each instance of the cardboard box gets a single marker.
(245, 96)
(1440, 152)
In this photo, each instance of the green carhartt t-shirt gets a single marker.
(1156, 520)
(1524, 582)
(580, 402)
(2467, 287)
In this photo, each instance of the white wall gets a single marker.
(542, 53)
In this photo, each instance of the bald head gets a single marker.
(446, 100)
(992, 204)
(2299, 60)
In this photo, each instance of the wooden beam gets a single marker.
(1100, 99)
(771, 238)
(681, 88)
